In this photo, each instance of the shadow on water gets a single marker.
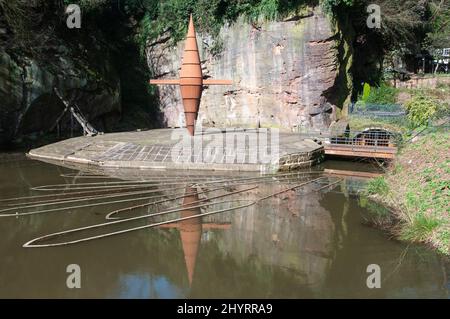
(298, 244)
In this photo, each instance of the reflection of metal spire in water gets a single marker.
(191, 230)
(191, 79)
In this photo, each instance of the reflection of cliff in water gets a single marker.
(286, 232)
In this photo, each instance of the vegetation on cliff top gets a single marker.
(166, 20)
(405, 23)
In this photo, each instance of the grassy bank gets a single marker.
(416, 188)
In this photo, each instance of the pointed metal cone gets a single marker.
(191, 39)
(190, 122)
(191, 29)
(191, 79)
(191, 130)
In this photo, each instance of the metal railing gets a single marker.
(365, 141)
(365, 144)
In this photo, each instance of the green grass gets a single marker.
(420, 229)
(377, 185)
(443, 239)
(417, 189)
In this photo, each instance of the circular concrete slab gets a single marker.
(231, 149)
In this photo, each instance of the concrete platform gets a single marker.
(256, 150)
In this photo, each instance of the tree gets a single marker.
(438, 36)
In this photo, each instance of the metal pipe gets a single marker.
(30, 244)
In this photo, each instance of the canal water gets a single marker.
(300, 244)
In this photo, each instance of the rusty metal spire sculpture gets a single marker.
(191, 79)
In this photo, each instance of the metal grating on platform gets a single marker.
(168, 153)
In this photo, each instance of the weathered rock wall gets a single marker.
(29, 106)
(286, 74)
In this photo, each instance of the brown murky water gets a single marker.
(300, 244)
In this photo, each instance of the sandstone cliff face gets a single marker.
(29, 106)
(286, 74)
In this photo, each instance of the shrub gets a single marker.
(421, 109)
(384, 94)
